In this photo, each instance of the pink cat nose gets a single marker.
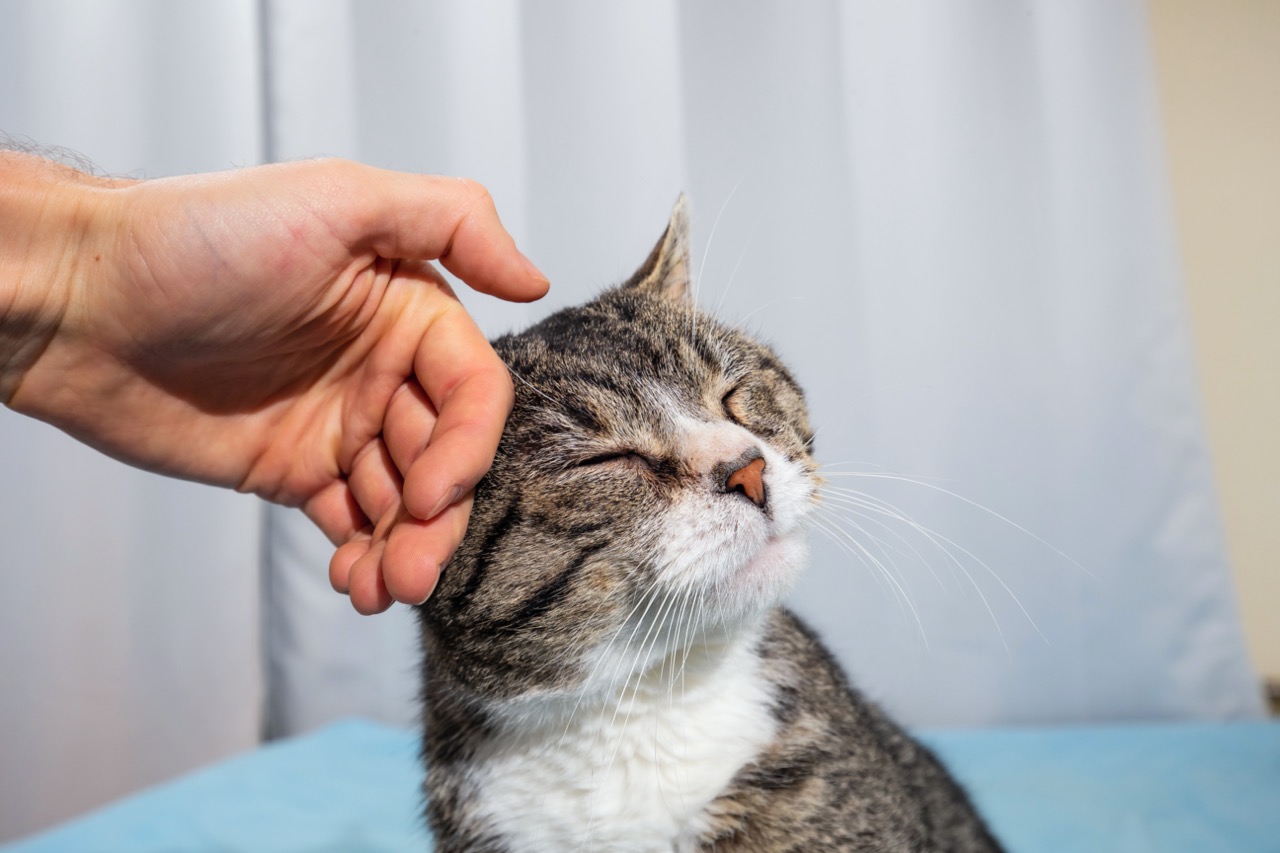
(749, 480)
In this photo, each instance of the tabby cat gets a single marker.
(608, 667)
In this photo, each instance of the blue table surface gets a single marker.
(354, 786)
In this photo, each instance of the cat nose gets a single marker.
(748, 479)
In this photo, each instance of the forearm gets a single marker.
(46, 229)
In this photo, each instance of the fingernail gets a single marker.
(533, 271)
(448, 500)
(434, 585)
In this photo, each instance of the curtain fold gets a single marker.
(130, 611)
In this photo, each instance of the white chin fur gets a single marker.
(763, 581)
(741, 559)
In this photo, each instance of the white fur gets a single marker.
(635, 777)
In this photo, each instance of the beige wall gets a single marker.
(1218, 63)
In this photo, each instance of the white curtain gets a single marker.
(130, 612)
(951, 220)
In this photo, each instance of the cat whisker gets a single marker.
(827, 532)
(838, 515)
(647, 599)
(881, 472)
(640, 652)
(825, 467)
(516, 375)
(831, 526)
(680, 623)
(677, 604)
(666, 601)
(847, 504)
(706, 252)
(834, 512)
(684, 627)
(686, 643)
(738, 263)
(919, 482)
(638, 669)
(872, 504)
(651, 596)
(601, 657)
(837, 520)
(742, 321)
(641, 661)
(635, 668)
(838, 532)
(938, 538)
(696, 281)
(852, 505)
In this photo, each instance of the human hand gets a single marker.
(277, 330)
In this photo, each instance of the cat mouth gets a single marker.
(776, 564)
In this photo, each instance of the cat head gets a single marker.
(647, 494)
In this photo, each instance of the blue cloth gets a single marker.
(1198, 788)
(354, 786)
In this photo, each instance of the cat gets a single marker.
(607, 665)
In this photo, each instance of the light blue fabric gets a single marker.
(355, 786)
(1193, 787)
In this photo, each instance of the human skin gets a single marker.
(278, 330)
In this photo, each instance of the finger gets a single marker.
(416, 551)
(374, 480)
(334, 510)
(367, 590)
(471, 388)
(344, 558)
(429, 217)
(410, 419)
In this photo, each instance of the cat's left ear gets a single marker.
(665, 273)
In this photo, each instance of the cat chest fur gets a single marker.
(633, 774)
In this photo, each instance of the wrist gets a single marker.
(47, 231)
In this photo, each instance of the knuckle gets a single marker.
(341, 175)
(337, 165)
(476, 196)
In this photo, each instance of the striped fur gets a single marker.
(607, 663)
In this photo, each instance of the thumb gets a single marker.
(430, 217)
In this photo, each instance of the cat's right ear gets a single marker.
(665, 273)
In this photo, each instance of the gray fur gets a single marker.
(557, 556)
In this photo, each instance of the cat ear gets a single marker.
(665, 273)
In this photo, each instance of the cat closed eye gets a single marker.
(727, 404)
(622, 456)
